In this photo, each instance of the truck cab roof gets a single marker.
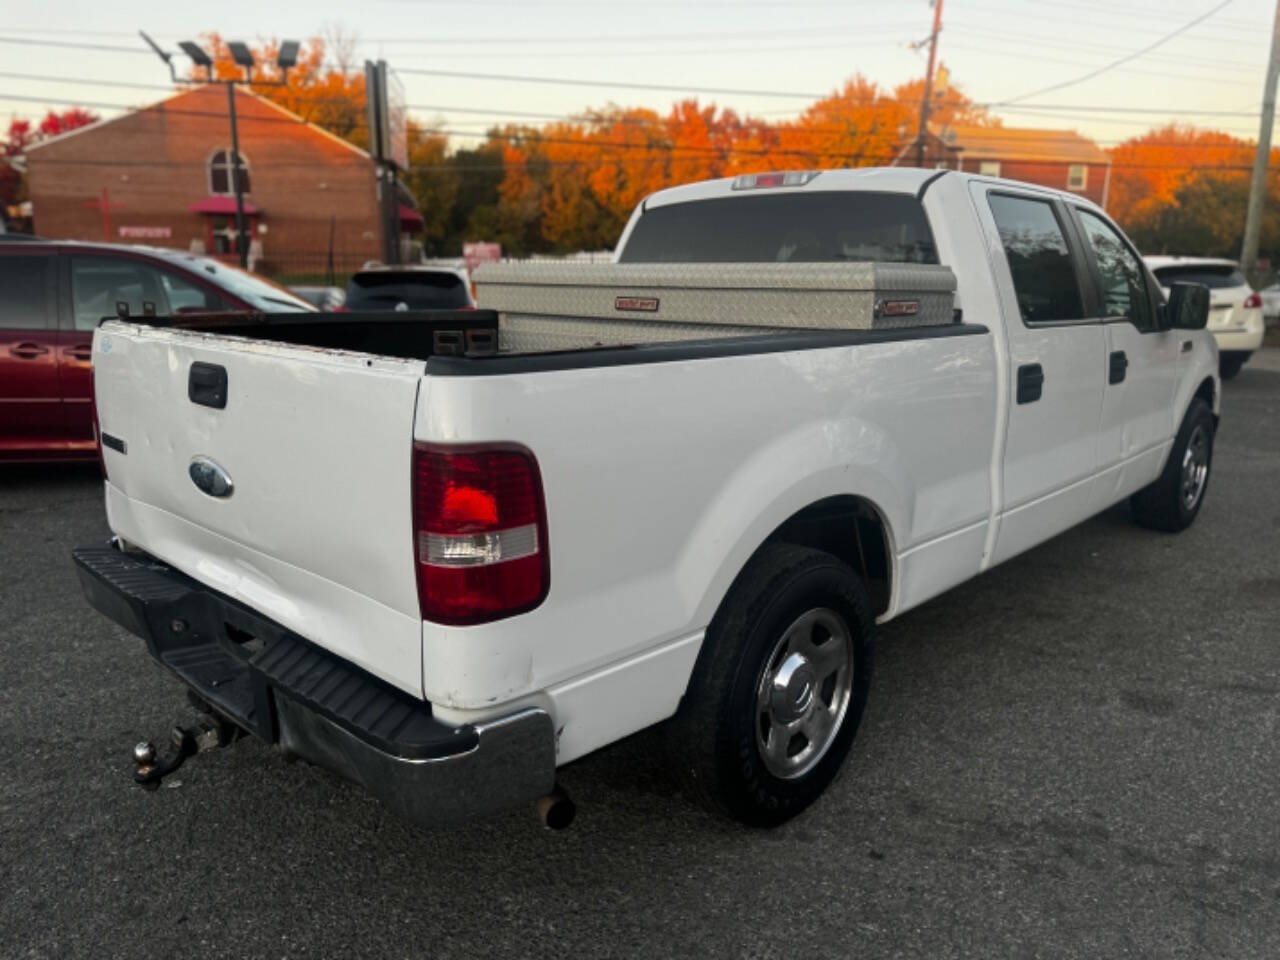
(910, 180)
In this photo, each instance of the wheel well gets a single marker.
(1205, 391)
(852, 529)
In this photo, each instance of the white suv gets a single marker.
(1235, 309)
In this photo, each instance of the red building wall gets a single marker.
(154, 164)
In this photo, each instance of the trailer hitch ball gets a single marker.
(144, 759)
(208, 733)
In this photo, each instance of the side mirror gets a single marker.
(1188, 306)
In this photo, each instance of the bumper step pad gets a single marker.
(240, 662)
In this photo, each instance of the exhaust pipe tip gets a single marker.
(556, 810)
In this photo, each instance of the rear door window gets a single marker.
(415, 289)
(818, 227)
(1224, 277)
(1044, 273)
(26, 284)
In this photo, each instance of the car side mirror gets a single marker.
(1188, 306)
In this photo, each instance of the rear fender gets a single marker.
(822, 459)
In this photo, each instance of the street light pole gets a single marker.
(242, 233)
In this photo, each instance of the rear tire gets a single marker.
(1229, 364)
(778, 691)
(1172, 502)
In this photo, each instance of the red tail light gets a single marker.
(480, 532)
(1253, 301)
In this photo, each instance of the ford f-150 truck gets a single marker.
(444, 554)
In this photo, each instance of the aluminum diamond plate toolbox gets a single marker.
(637, 302)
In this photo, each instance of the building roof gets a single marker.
(190, 91)
(1022, 143)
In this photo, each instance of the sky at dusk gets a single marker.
(997, 51)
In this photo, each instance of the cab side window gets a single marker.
(99, 283)
(1124, 282)
(1044, 273)
(25, 282)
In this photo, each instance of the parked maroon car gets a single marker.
(53, 294)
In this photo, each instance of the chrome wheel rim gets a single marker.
(1195, 467)
(803, 693)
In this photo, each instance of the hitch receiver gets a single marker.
(208, 733)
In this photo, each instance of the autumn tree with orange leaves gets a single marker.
(1177, 189)
(576, 182)
(572, 184)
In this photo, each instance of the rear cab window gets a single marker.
(819, 227)
(1045, 279)
(415, 289)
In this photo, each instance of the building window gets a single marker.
(220, 165)
(989, 168)
(1077, 176)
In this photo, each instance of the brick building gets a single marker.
(163, 174)
(1061, 159)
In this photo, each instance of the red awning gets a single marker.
(410, 219)
(226, 206)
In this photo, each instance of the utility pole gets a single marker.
(923, 132)
(1258, 186)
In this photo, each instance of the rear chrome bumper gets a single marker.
(286, 690)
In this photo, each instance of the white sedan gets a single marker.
(1235, 308)
(1270, 301)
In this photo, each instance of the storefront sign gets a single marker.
(146, 233)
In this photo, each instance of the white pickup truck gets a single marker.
(444, 555)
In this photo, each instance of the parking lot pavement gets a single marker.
(1076, 754)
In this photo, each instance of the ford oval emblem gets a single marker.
(210, 478)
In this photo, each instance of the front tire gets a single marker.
(778, 691)
(1173, 501)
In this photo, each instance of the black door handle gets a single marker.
(1030, 382)
(28, 351)
(1186, 346)
(1119, 364)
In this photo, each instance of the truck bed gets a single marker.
(549, 308)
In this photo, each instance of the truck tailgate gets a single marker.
(316, 532)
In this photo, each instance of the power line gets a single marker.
(614, 84)
(586, 119)
(27, 41)
(1125, 59)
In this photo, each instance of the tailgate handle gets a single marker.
(207, 385)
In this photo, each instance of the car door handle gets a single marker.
(1119, 364)
(1030, 382)
(1186, 346)
(79, 351)
(28, 351)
